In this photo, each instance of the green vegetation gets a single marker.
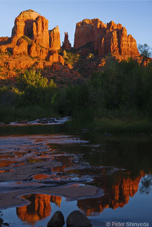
(116, 99)
(31, 97)
(70, 57)
(144, 50)
(27, 39)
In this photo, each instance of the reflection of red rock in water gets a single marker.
(58, 168)
(115, 196)
(38, 208)
(56, 199)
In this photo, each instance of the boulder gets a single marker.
(36, 50)
(57, 220)
(77, 219)
(53, 56)
(21, 47)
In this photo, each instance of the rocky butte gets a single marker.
(102, 39)
(33, 45)
(30, 36)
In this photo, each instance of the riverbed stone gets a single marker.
(1, 222)
(57, 220)
(77, 219)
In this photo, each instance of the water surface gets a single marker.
(44, 169)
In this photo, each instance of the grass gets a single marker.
(111, 122)
(106, 125)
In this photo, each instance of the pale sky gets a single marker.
(135, 15)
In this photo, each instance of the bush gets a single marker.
(37, 90)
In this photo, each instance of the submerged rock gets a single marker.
(57, 220)
(77, 219)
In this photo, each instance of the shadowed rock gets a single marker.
(77, 219)
(57, 220)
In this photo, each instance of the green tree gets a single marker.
(144, 50)
(37, 90)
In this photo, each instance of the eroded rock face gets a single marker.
(54, 38)
(40, 31)
(55, 57)
(66, 44)
(21, 47)
(33, 25)
(31, 38)
(35, 50)
(24, 24)
(95, 36)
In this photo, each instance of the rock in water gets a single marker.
(57, 220)
(77, 219)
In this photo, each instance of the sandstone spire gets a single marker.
(66, 43)
(54, 38)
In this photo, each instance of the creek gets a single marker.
(44, 168)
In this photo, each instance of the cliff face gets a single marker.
(54, 38)
(31, 38)
(95, 36)
(32, 25)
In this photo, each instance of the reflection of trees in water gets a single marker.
(146, 184)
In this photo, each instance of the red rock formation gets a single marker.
(4, 40)
(54, 37)
(95, 36)
(32, 25)
(21, 47)
(24, 24)
(55, 57)
(40, 32)
(66, 44)
(30, 36)
(38, 51)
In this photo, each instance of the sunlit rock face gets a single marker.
(54, 38)
(66, 43)
(39, 207)
(95, 36)
(115, 196)
(33, 25)
(24, 24)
